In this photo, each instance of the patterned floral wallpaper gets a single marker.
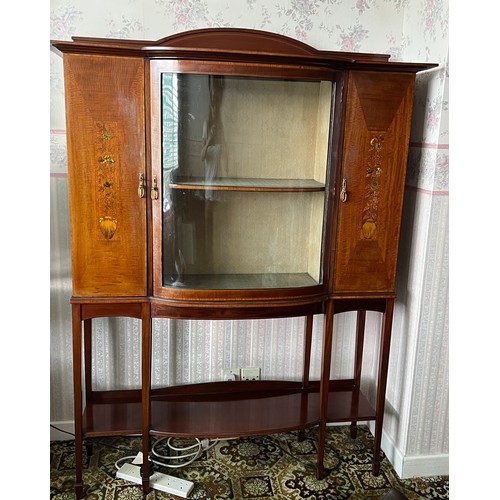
(412, 30)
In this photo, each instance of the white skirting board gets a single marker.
(405, 467)
(416, 466)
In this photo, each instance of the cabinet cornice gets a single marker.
(236, 45)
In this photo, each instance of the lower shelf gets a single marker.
(255, 416)
(209, 413)
(112, 419)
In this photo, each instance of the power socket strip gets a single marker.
(158, 481)
(171, 484)
(130, 473)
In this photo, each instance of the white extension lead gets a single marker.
(158, 481)
(163, 482)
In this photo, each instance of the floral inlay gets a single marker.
(106, 182)
(372, 188)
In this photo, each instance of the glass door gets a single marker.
(243, 173)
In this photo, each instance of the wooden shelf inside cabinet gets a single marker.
(260, 185)
(244, 281)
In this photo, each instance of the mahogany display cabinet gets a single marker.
(232, 174)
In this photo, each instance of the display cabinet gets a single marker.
(232, 174)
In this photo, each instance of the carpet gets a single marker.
(251, 468)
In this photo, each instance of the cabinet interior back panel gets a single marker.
(246, 127)
(235, 232)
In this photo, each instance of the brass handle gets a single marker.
(343, 192)
(141, 192)
(154, 189)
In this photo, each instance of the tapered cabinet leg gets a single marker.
(87, 357)
(76, 320)
(307, 350)
(358, 362)
(89, 448)
(308, 329)
(324, 387)
(382, 383)
(146, 394)
(353, 429)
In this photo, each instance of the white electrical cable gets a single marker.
(201, 445)
(122, 459)
(171, 446)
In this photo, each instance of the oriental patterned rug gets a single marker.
(251, 468)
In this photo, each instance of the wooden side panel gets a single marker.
(375, 155)
(106, 156)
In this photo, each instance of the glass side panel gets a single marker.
(244, 173)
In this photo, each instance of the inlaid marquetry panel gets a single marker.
(105, 135)
(372, 180)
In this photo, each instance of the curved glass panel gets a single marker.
(244, 164)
